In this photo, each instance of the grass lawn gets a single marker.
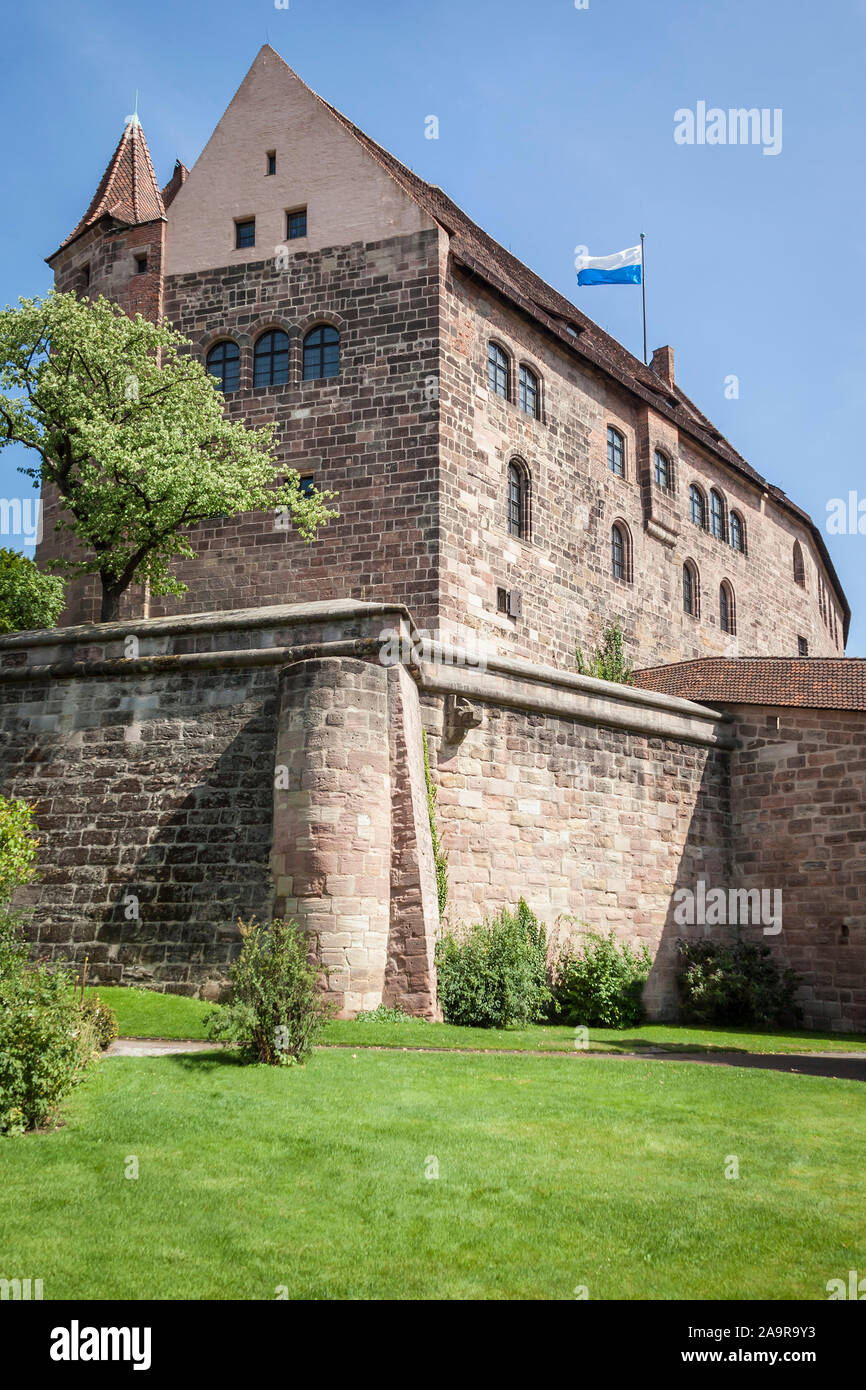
(551, 1175)
(143, 1014)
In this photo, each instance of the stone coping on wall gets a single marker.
(283, 633)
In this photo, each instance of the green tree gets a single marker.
(28, 598)
(608, 661)
(129, 427)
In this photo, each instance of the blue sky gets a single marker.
(555, 129)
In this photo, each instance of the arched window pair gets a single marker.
(499, 381)
(692, 599)
(321, 359)
(713, 520)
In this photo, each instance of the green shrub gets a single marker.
(45, 1044)
(737, 983)
(276, 1008)
(18, 846)
(382, 1014)
(495, 973)
(599, 984)
(28, 598)
(607, 662)
(102, 1019)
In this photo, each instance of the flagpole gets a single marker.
(643, 292)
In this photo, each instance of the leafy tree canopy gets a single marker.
(130, 429)
(28, 598)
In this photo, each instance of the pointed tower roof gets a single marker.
(128, 191)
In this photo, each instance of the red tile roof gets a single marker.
(810, 682)
(128, 191)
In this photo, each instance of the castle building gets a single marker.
(510, 480)
(503, 467)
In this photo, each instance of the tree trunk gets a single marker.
(110, 603)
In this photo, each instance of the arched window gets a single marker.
(321, 353)
(727, 608)
(799, 567)
(620, 552)
(497, 371)
(528, 394)
(271, 359)
(738, 533)
(717, 515)
(698, 507)
(615, 452)
(691, 590)
(224, 365)
(664, 472)
(518, 500)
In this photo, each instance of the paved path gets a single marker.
(846, 1066)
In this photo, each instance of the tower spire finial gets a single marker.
(133, 119)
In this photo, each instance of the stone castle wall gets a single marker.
(190, 771)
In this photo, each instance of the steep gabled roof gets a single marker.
(128, 192)
(825, 682)
(478, 254)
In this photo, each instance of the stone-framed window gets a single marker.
(663, 471)
(499, 371)
(321, 353)
(691, 590)
(727, 608)
(271, 162)
(271, 359)
(224, 365)
(615, 451)
(718, 521)
(799, 566)
(529, 392)
(697, 507)
(802, 646)
(519, 500)
(620, 552)
(737, 530)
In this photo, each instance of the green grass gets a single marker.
(143, 1014)
(552, 1174)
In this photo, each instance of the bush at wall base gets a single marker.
(598, 983)
(46, 1047)
(276, 1008)
(735, 982)
(494, 974)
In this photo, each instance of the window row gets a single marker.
(622, 567)
(499, 376)
(321, 359)
(713, 517)
(245, 228)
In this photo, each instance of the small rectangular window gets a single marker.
(296, 224)
(245, 234)
(308, 485)
(502, 600)
(140, 265)
(85, 275)
(802, 646)
(272, 161)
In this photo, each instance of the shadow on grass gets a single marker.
(206, 1061)
(648, 1045)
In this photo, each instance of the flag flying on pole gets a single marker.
(622, 268)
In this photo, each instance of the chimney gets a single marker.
(175, 183)
(663, 364)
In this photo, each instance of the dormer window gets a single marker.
(272, 161)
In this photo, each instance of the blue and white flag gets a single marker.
(622, 268)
